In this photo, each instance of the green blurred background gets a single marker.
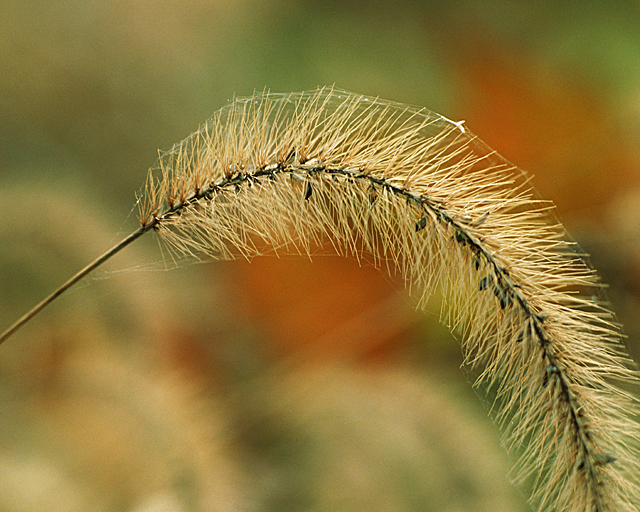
(280, 385)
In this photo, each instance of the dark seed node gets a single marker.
(603, 458)
(477, 261)
(505, 300)
(461, 238)
(551, 370)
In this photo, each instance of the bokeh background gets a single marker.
(280, 384)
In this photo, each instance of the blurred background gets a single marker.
(280, 384)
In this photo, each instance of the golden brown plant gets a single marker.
(420, 194)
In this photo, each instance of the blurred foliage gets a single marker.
(280, 384)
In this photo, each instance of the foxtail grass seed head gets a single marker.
(419, 194)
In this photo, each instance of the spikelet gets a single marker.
(421, 195)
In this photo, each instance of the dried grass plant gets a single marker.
(419, 194)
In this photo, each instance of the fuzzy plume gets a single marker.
(420, 194)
